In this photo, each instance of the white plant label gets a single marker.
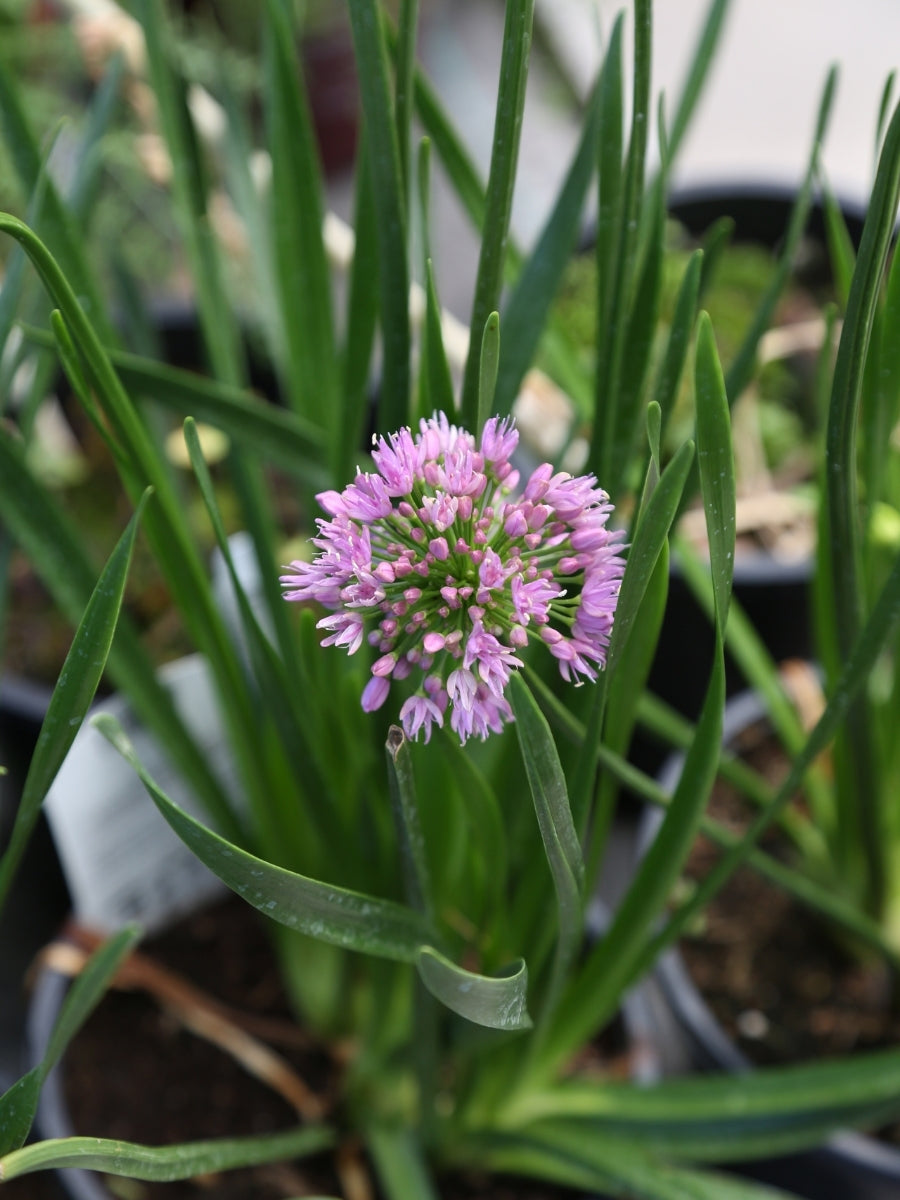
(121, 860)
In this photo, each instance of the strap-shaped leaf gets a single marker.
(501, 180)
(525, 313)
(300, 267)
(592, 996)
(409, 826)
(332, 914)
(487, 376)
(554, 816)
(881, 624)
(71, 697)
(19, 1105)
(649, 538)
(389, 203)
(399, 1160)
(163, 1164)
(594, 1162)
(679, 339)
(499, 1002)
(715, 459)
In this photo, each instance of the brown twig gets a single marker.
(195, 1011)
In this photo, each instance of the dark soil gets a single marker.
(774, 976)
(136, 1074)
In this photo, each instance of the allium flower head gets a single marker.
(442, 565)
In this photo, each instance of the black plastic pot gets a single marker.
(39, 897)
(688, 1037)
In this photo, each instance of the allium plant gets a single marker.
(447, 568)
(433, 920)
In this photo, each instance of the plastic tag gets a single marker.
(121, 860)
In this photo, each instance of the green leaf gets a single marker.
(405, 69)
(163, 1164)
(650, 537)
(501, 181)
(18, 1105)
(408, 823)
(525, 312)
(554, 816)
(361, 322)
(610, 404)
(57, 227)
(437, 383)
(400, 1164)
(592, 996)
(390, 211)
(288, 440)
(300, 266)
(72, 697)
(594, 1162)
(55, 548)
(332, 914)
(860, 813)
(722, 1117)
(610, 178)
(679, 339)
(881, 624)
(189, 192)
(715, 459)
(498, 1002)
(487, 379)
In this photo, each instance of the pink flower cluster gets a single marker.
(445, 569)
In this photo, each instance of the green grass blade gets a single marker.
(56, 550)
(679, 339)
(71, 699)
(18, 1105)
(487, 378)
(596, 1163)
(101, 112)
(497, 1002)
(882, 622)
(361, 323)
(404, 75)
(715, 459)
(620, 269)
(390, 211)
(300, 266)
(842, 500)
(610, 181)
(399, 1164)
(841, 254)
(436, 390)
(409, 826)
(639, 336)
(558, 834)
(189, 193)
(501, 181)
(56, 224)
(650, 536)
(164, 1164)
(724, 1116)
(332, 914)
(591, 998)
(525, 312)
